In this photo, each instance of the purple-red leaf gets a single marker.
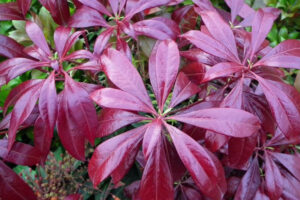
(35, 33)
(102, 41)
(249, 183)
(222, 70)
(24, 6)
(114, 152)
(199, 163)
(48, 102)
(59, 10)
(10, 48)
(163, 69)
(42, 138)
(159, 28)
(274, 182)
(10, 11)
(12, 187)
(20, 153)
(124, 75)
(284, 103)
(227, 121)
(183, 89)
(113, 119)
(95, 4)
(157, 180)
(22, 109)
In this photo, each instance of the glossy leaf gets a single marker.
(20, 153)
(102, 41)
(114, 152)
(222, 70)
(12, 186)
(10, 48)
(24, 6)
(198, 162)
(163, 68)
(227, 121)
(59, 10)
(10, 11)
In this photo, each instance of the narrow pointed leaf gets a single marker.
(163, 69)
(114, 152)
(102, 41)
(222, 70)
(95, 4)
(59, 10)
(24, 6)
(61, 36)
(10, 48)
(12, 186)
(227, 121)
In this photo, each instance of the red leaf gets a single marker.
(286, 54)
(35, 33)
(61, 36)
(102, 41)
(113, 119)
(194, 71)
(290, 186)
(10, 11)
(220, 30)
(209, 45)
(73, 197)
(157, 181)
(222, 70)
(48, 102)
(183, 90)
(20, 153)
(163, 69)
(24, 6)
(77, 118)
(87, 17)
(72, 39)
(261, 25)
(284, 103)
(42, 138)
(125, 76)
(291, 162)
(59, 10)
(12, 186)
(21, 112)
(18, 91)
(227, 121)
(118, 99)
(95, 4)
(249, 183)
(10, 48)
(199, 163)
(274, 182)
(113, 152)
(159, 28)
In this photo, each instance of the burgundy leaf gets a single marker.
(61, 36)
(199, 163)
(24, 6)
(183, 90)
(124, 75)
(102, 41)
(12, 187)
(220, 30)
(157, 181)
(249, 183)
(194, 71)
(10, 11)
(18, 91)
(290, 186)
(20, 153)
(10, 48)
(73, 197)
(87, 17)
(284, 103)
(123, 47)
(113, 119)
(114, 98)
(288, 161)
(21, 112)
(113, 152)
(35, 33)
(59, 10)
(95, 4)
(274, 182)
(209, 45)
(159, 28)
(261, 25)
(286, 54)
(163, 69)
(201, 57)
(77, 118)
(227, 121)
(222, 70)
(48, 102)
(80, 54)
(71, 41)
(42, 138)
